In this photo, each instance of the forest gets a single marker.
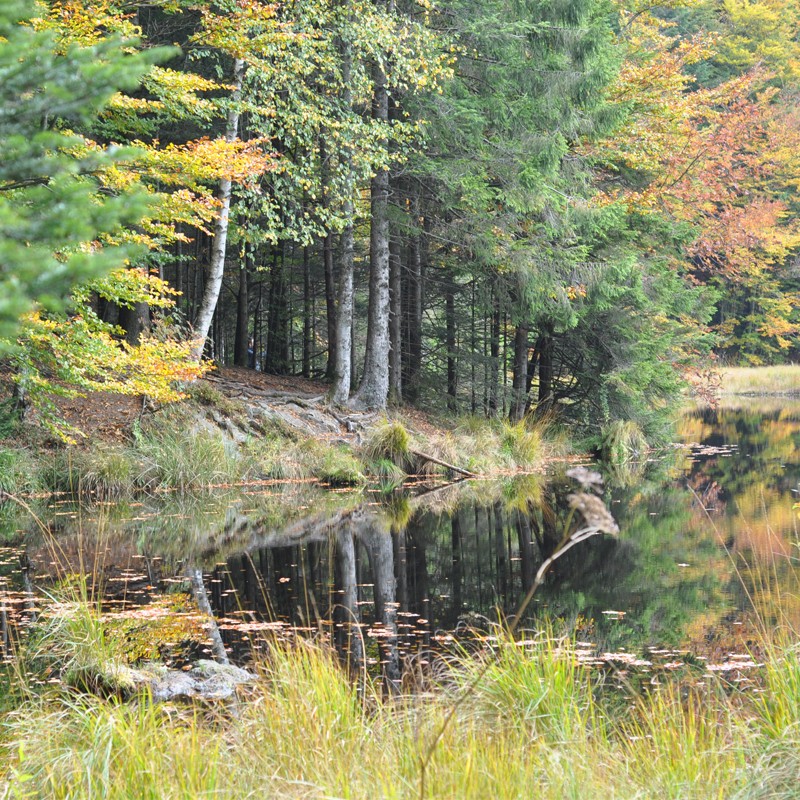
(495, 207)
(400, 399)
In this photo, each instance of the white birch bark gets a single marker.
(216, 268)
(340, 389)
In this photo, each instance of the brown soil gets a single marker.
(101, 415)
(229, 376)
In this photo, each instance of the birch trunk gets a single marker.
(340, 388)
(216, 268)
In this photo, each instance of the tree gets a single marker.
(53, 210)
(69, 213)
(720, 159)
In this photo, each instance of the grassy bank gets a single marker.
(537, 723)
(761, 381)
(210, 440)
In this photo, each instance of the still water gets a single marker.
(707, 553)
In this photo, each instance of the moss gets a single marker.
(208, 395)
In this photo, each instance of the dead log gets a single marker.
(433, 459)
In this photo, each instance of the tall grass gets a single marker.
(20, 472)
(783, 379)
(180, 454)
(536, 725)
(622, 442)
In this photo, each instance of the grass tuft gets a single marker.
(19, 472)
(523, 442)
(339, 467)
(391, 442)
(622, 441)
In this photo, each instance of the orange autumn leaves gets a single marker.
(722, 159)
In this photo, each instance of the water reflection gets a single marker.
(707, 533)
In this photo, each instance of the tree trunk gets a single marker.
(240, 346)
(545, 367)
(374, 389)
(216, 267)
(276, 360)
(520, 384)
(340, 388)
(450, 324)
(134, 321)
(494, 350)
(414, 316)
(307, 342)
(330, 305)
(395, 322)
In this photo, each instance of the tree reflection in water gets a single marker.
(386, 577)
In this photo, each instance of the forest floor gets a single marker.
(102, 416)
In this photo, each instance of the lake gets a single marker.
(706, 555)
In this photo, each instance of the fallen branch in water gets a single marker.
(433, 459)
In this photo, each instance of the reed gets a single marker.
(536, 721)
(782, 379)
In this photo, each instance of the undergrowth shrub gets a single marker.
(19, 472)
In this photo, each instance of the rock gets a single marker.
(229, 428)
(206, 680)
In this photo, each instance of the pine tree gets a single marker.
(53, 211)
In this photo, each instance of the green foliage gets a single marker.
(52, 207)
